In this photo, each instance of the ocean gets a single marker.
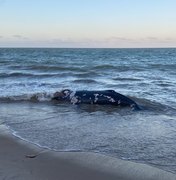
(148, 76)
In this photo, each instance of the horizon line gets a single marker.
(42, 47)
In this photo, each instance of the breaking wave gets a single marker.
(36, 97)
(144, 104)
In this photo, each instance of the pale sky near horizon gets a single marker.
(88, 23)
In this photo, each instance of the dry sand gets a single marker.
(15, 164)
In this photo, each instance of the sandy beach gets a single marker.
(20, 160)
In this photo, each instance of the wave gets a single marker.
(3, 61)
(126, 79)
(50, 75)
(144, 104)
(55, 68)
(86, 74)
(118, 68)
(15, 74)
(89, 81)
(36, 97)
(105, 66)
(33, 75)
(164, 67)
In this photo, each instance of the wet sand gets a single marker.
(20, 160)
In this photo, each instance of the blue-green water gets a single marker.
(148, 76)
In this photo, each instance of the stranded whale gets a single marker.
(110, 97)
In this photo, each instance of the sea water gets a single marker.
(148, 76)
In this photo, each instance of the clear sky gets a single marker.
(88, 23)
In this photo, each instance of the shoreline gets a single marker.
(21, 160)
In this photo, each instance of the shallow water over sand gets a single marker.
(143, 136)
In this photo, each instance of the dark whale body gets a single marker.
(97, 97)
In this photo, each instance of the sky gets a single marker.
(88, 23)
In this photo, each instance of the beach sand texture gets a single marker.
(20, 160)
